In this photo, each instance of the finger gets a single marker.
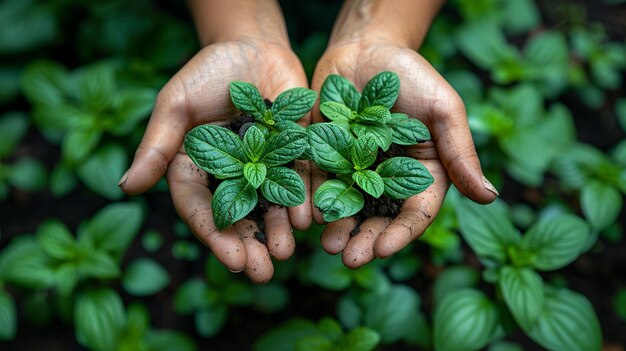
(163, 137)
(192, 200)
(416, 214)
(259, 266)
(301, 215)
(280, 241)
(360, 248)
(337, 234)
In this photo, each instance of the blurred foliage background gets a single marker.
(82, 266)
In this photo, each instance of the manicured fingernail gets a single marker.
(490, 186)
(122, 180)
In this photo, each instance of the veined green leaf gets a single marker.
(55, 240)
(284, 147)
(404, 177)
(374, 114)
(254, 143)
(283, 186)
(216, 150)
(383, 89)
(292, 104)
(364, 152)
(99, 264)
(282, 126)
(101, 171)
(390, 313)
(406, 130)
(370, 182)
(336, 111)
(555, 242)
(99, 318)
(360, 339)
(338, 89)
(104, 231)
(255, 173)
(336, 199)
(522, 289)
(330, 146)
(247, 98)
(233, 199)
(453, 279)
(381, 133)
(601, 203)
(78, 143)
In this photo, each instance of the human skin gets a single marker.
(242, 40)
(371, 36)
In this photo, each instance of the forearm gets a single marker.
(224, 20)
(404, 22)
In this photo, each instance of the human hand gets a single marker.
(424, 94)
(198, 94)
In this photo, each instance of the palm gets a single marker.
(424, 94)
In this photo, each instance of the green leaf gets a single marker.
(216, 150)
(336, 111)
(391, 312)
(331, 146)
(24, 263)
(233, 199)
(374, 114)
(13, 126)
(556, 241)
(464, 320)
(131, 107)
(293, 104)
(284, 147)
(338, 89)
(45, 83)
(370, 182)
(8, 316)
(314, 343)
(66, 278)
(62, 180)
(483, 43)
(601, 204)
(28, 174)
(404, 177)
(169, 340)
(487, 228)
(99, 319)
(255, 173)
(453, 279)
(522, 289)
(210, 321)
(383, 89)
(114, 227)
(406, 130)
(247, 98)
(567, 322)
(283, 186)
(360, 339)
(336, 199)
(284, 337)
(99, 264)
(270, 298)
(56, 240)
(254, 143)
(363, 152)
(328, 271)
(78, 143)
(144, 277)
(101, 172)
(381, 133)
(96, 86)
(190, 296)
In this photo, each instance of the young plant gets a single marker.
(337, 151)
(369, 113)
(289, 106)
(247, 165)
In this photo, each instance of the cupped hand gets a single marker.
(199, 94)
(449, 156)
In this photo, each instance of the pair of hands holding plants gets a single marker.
(199, 94)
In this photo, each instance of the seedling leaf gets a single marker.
(330, 146)
(382, 135)
(406, 130)
(233, 200)
(369, 181)
(292, 104)
(363, 152)
(338, 89)
(254, 143)
(383, 89)
(255, 173)
(284, 147)
(247, 98)
(336, 111)
(336, 199)
(404, 177)
(216, 150)
(374, 114)
(283, 186)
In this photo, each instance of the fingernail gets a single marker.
(490, 186)
(235, 271)
(122, 180)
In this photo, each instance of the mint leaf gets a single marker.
(382, 135)
(255, 173)
(336, 200)
(233, 200)
(601, 204)
(247, 98)
(292, 104)
(56, 241)
(364, 152)
(404, 177)
(376, 114)
(254, 143)
(336, 111)
(282, 126)
(407, 130)
(216, 150)
(522, 289)
(369, 181)
(284, 147)
(383, 89)
(330, 146)
(338, 89)
(283, 186)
